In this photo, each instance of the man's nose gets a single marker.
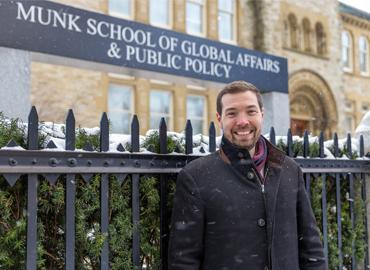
(242, 120)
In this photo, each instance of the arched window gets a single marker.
(320, 39)
(346, 50)
(306, 35)
(293, 31)
(363, 48)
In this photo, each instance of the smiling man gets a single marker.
(245, 206)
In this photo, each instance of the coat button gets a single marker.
(250, 175)
(261, 222)
(265, 268)
(240, 154)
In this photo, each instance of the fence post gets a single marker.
(163, 182)
(70, 196)
(212, 137)
(366, 179)
(104, 194)
(135, 191)
(32, 144)
(188, 138)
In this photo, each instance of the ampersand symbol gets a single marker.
(113, 52)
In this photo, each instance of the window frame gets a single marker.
(306, 27)
(171, 107)
(234, 32)
(321, 47)
(202, 3)
(170, 15)
(349, 49)
(121, 15)
(366, 51)
(131, 112)
(293, 31)
(204, 118)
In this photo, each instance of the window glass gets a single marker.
(120, 100)
(195, 112)
(226, 5)
(194, 17)
(160, 106)
(226, 15)
(346, 49)
(364, 54)
(121, 8)
(159, 12)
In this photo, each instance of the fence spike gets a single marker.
(70, 131)
(336, 146)
(121, 177)
(212, 137)
(362, 146)
(135, 133)
(272, 136)
(12, 143)
(349, 145)
(87, 177)
(12, 178)
(289, 143)
(52, 178)
(321, 144)
(120, 148)
(33, 126)
(163, 136)
(306, 144)
(51, 145)
(188, 138)
(104, 133)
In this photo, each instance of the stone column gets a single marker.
(141, 104)
(212, 21)
(15, 78)
(179, 106)
(212, 108)
(276, 106)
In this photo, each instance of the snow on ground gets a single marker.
(364, 130)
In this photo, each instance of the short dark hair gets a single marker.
(238, 87)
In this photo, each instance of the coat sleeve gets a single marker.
(311, 253)
(187, 225)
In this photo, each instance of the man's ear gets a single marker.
(218, 116)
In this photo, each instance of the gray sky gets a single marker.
(360, 4)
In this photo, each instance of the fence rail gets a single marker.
(52, 164)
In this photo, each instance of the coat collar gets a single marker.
(241, 160)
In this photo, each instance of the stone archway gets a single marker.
(312, 104)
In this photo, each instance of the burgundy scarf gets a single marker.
(260, 155)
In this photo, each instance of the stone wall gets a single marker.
(55, 89)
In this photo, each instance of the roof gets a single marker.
(354, 11)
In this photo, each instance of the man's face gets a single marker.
(241, 119)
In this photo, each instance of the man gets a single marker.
(245, 206)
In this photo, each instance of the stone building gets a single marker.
(326, 44)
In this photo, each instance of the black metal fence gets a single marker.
(52, 164)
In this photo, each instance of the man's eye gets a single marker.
(230, 114)
(252, 112)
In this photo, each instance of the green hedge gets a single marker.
(89, 240)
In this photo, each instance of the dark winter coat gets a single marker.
(225, 219)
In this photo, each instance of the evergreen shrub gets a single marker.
(89, 240)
